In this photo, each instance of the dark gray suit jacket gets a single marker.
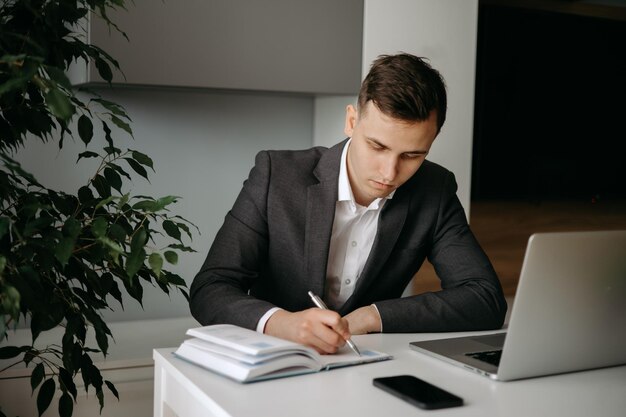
(273, 248)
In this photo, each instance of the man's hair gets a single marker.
(404, 87)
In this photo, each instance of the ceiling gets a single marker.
(607, 9)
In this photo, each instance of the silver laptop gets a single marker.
(569, 312)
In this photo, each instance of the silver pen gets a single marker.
(320, 304)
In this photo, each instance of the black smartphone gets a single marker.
(418, 392)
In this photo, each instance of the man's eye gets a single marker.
(411, 155)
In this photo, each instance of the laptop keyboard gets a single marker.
(491, 356)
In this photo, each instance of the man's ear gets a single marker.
(351, 119)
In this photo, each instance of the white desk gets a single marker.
(185, 390)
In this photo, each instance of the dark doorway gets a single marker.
(550, 118)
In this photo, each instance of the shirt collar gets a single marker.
(345, 190)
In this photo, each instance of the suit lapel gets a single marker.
(390, 225)
(320, 214)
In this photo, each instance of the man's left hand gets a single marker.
(364, 320)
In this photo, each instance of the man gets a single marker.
(353, 224)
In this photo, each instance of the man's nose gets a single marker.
(389, 168)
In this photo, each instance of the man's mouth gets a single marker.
(382, 185)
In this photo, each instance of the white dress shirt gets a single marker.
(354, 231)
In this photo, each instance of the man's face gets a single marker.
(384, 152)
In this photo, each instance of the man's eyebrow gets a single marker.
(376, 142)
(417, 152)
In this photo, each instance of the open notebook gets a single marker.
(246, 356)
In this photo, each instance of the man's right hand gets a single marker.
(324, 330)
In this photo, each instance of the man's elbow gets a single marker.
(495, 313)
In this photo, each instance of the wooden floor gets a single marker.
(503, 228)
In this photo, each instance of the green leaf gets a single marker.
(137, 167)
(44, 397)
(72, 227)
(171, 257)
(85, 196)
(121, 124)
(75, 356)
(180, 247)
(99, 227)
(137, 252)
(112, 107)
(49, 317)
(116, 293)
(123, 200)
(63, 250)
(5, 222)
(102, 331)
(104, 202)
(29, 287)
(155, 260)
(59, 104)
(107, 136)
(13, 84)
(70, 355)
(145, 205)
(65, 203)
(134, 289)
(184, 227)
(135, 262)
(163, 202)
(143, 159)
(112, 150)
(119, 170)
(58, 76)
(37, 225)
(8, 352)
(104, 70)
(171, 229)
(102, 186)
(37, 376)
(87, 154)
(85, 129)
(117, 232)
(66, 405)
(139, 240)
(176, 280)
(29, 355)
(66, 382)
(65, 246)
(115, 248)
(38, 122)
(85, 366)
(113, 178)
(113, 389)
(100, 395)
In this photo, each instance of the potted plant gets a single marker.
(64, 257)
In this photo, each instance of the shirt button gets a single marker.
(353, 243)
(347, 282)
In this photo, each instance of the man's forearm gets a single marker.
(364, 320)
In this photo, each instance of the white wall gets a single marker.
(203, 145)
(329, 118)
(444, 31)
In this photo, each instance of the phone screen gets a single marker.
(418, 392)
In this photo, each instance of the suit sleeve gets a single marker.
(219, 292)
(471, 297)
